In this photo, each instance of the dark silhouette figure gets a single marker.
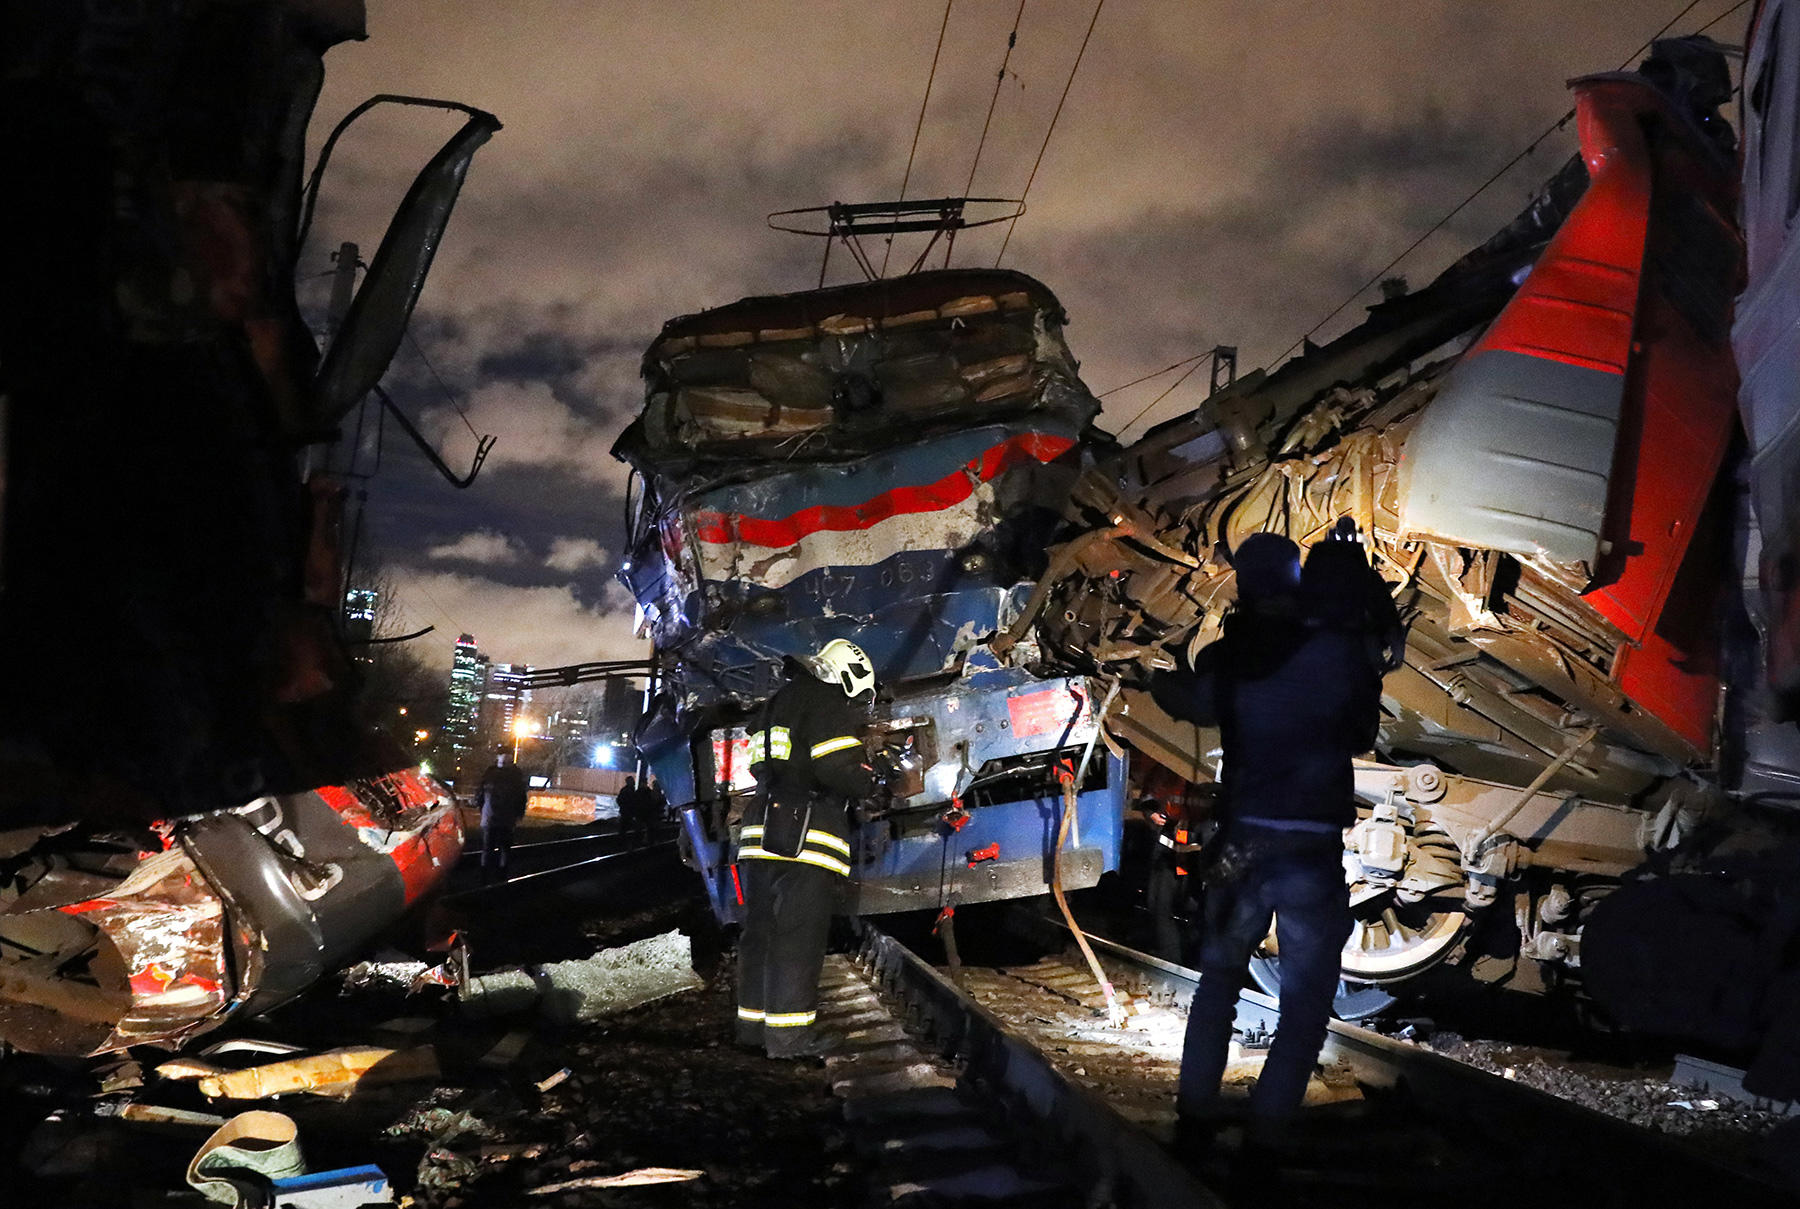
(631, 813)
(1171, 860)
(1295, 696)
(502, 798)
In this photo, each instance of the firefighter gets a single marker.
(1167, 887)
(1294, 701)
(794, 847)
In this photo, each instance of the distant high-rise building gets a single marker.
(468, 679)
(503, 700)
(359, 621)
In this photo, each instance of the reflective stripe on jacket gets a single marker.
(808, 751)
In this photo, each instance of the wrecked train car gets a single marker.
(1536, 447)
(883, 462)
(170, 525)
(114, 944)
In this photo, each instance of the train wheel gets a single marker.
(1393, 941)
(1389, 943)
(1352, 1001)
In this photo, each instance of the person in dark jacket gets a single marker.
(794, 846)
(656, 803)
(502, 798)
(1165, 891)
(632, 825)
(1295, 699)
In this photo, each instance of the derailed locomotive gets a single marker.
(1540, 448)
(883, 462)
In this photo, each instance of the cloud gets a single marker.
(542, 626)
(532, 429)
(573, 554)
(1220, 174)
(480, 546)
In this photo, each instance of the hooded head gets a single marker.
(1268, 566)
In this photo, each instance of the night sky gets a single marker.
(1221, 173)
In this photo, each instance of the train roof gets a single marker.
(783, 316)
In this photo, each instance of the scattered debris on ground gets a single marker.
(521, 1107)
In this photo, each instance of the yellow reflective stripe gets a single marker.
(823, 862)
(805, 858)
(828, 840)
(752, 832)
(841, 743)
(790, 1019)
(745, 1013)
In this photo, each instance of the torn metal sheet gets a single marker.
(243, 911)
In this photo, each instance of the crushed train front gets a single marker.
(884, 462)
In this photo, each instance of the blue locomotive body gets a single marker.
(886, 463)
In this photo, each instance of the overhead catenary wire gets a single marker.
(449, 394)
(1734, 8)
(1012, 40)
(1460, 206)
(1165, 394)
(930, 76)
(1037, 163)
(1153, 374)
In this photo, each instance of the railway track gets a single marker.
(1006, 1084)
(999, 1084)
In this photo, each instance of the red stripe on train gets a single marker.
(947, 492)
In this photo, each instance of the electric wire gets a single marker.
(1435, 227)
(449, 394)
(1145, 378)
(906, 177)
(1012, 40)
(1067, 84)
(1734, 8)
(1171, 390)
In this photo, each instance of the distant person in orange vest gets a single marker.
(502, 799)
(1170, 862)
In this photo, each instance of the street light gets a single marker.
(524, 728)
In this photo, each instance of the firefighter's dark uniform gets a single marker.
(808, 751)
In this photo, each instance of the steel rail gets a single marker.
(1117, 1162)
(1546, 1128)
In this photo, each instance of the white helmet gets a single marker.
(843, 663)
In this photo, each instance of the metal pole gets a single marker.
(343, 288)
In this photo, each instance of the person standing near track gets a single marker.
(794, 847)
(631, 813)
(502, 799)
(1295, 700)
(1166, 889)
